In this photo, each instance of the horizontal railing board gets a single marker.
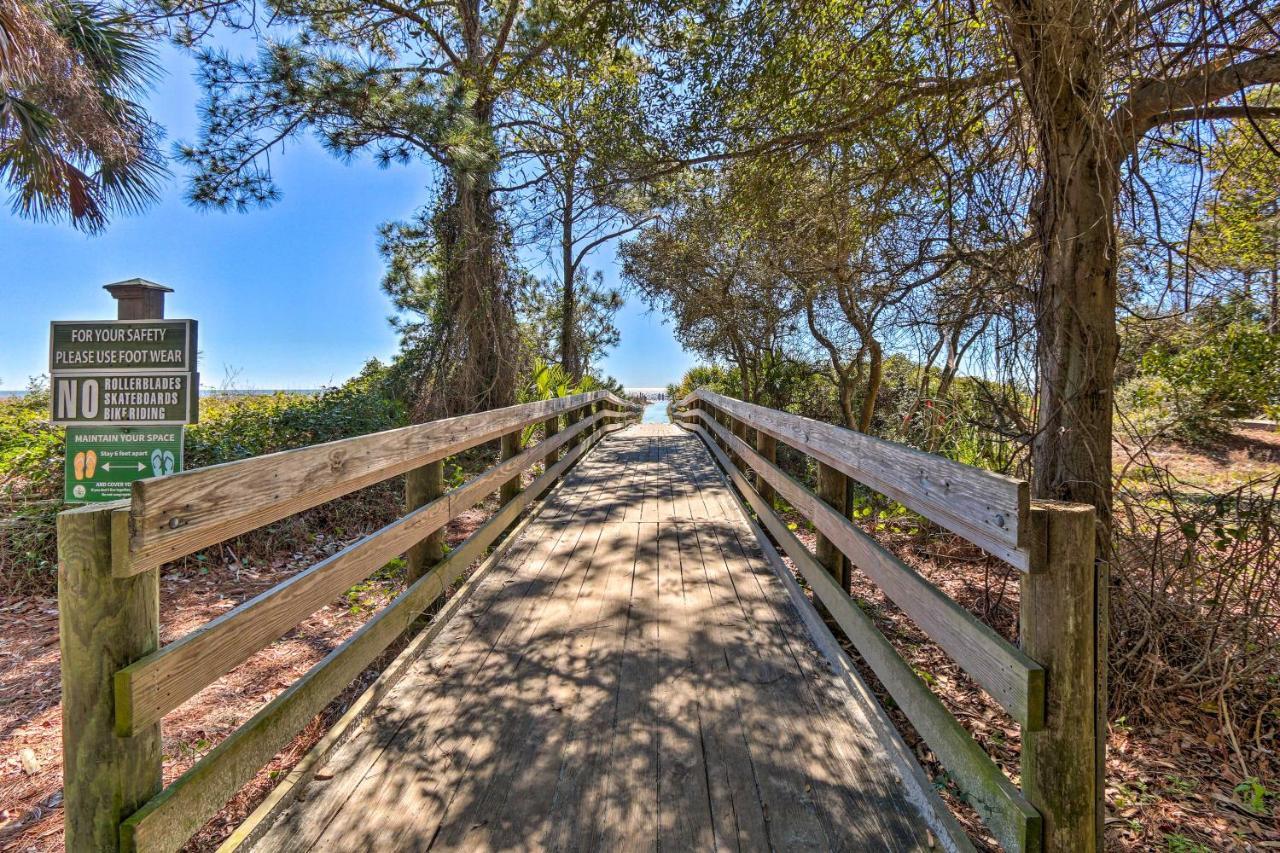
(620, 401)
(1012, 820)
(168, 819)
(148, 689)
(1004, 671)
(989, 509)
(176, 515)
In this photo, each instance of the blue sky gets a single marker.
(287, 296)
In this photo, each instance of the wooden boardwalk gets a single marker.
(630, 675)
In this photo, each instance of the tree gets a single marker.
(585, 125)
(443, 82)
(73, 145)
(1097, 78)
(700, 267)
(1078, 94)
(1238, 230)
(592, 331)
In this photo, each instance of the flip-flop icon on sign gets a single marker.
(85, 463)
(162, 462)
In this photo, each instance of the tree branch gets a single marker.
(1192, 93)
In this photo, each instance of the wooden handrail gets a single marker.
(170, 818)
(1059, 700)
(1011, 819)
(1013, 679)
(148, 689)
(988, 509)
(117, 685)
(170, 517)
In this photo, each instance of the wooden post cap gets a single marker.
(138, 299)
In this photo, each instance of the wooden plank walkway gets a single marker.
(630, 675)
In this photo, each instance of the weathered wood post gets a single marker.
(722, 419)
(105, 623)
(510, 448)
(571, 419)
(550, 427)
(766, 446)
(1064, 627)
(421, 487)
(740, 431)
(832, 489)
(596, 409)
(138, 299)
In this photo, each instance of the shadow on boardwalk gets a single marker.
(631, 675)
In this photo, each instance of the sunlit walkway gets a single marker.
(631, 675)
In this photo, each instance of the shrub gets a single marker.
(1190, 376)
(230, 428)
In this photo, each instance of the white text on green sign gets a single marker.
(113, 345)
(124, 399)
(103, 462)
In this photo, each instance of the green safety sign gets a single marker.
(102, 462)
(83, 346)
(125, 399)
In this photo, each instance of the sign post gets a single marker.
(124, 389)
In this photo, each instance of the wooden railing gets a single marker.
(118, 683)
(1053, 684)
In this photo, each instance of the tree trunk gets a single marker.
(479, 366)
(476, 357)
(846, 399)
(875, 374)
(1273, 324)
(1076, 331)
(569, 295)
(1060, 66)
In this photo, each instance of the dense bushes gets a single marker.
(1187, 377)
(236, 426)
(231, 427)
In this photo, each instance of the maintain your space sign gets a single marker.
(103, 462)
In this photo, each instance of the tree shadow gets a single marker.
(620, 684)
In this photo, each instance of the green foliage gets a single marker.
(1191, 376)
(31, 448)
(1177, 843)
(1239, 227)
(721, 380)
(230, 428)
(1253, 795)
(240, 426)
(74, 144)
(594, 331)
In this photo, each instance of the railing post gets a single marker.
(104, 624)
(832, 488)
(549, 428)
(740, 430)
(722, 419)
(766, 446)
(510, 448)
(421, 487)
(571, 418)
(1064, 628)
